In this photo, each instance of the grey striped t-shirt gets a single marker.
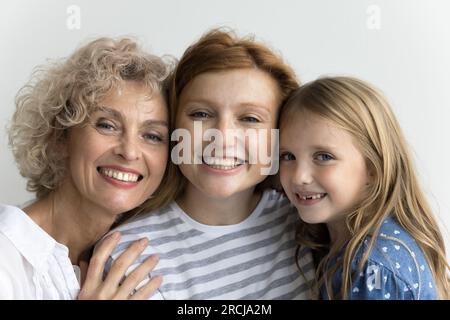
(254, 259)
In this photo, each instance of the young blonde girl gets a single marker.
(346, 167)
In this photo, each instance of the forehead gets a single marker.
(233, 87)
(132, 97)
(127, 91)
(307, 129)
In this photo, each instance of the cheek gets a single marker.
(266, 144)
(186, 130)
(345, 185)
(82, 156)
(182, 121)
(334, 181)
(357, 173)
(282, 173)
(285, 176)
(157, 161)
(187, 171)
(88, 144)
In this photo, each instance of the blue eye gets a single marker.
(200, 114)
(152, 137)
(105, 126)
(287, 156)
(324, 157)
(250, 119)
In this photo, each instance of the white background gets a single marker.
(408, 57)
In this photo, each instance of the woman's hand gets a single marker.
(94, 288)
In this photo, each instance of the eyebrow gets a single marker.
(324, 147)
(156, 123)
(247, 104)
(254, 105)
(105, 109)
(318, 147)
(118, 115)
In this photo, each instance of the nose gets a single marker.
(227, 143)
(224, 124)
(128, 148)
(303, 174)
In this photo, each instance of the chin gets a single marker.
(311, 218)
(219, 194)
(119, 207)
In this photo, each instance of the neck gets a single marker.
(218, 211)
(72, 221)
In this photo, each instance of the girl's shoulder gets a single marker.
(396, 267)
(393, 242)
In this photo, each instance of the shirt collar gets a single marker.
(30, 240)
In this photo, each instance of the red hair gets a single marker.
(222, 50)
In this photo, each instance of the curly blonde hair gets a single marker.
(61, 95)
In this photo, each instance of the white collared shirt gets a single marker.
(32, 264)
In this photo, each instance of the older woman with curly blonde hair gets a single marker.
(90, 135)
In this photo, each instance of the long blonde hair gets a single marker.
(362, 111)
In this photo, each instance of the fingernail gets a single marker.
(143, 241)
(155, 257)
(115, 235)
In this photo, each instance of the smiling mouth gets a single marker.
(311, 196)
(120, 175)
(221, 163)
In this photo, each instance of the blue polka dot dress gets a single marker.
(395, 270)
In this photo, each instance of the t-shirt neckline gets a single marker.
(223, 228)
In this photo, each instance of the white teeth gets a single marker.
(222, 167)
(118, 175)
(312, 197)
(223, 164)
